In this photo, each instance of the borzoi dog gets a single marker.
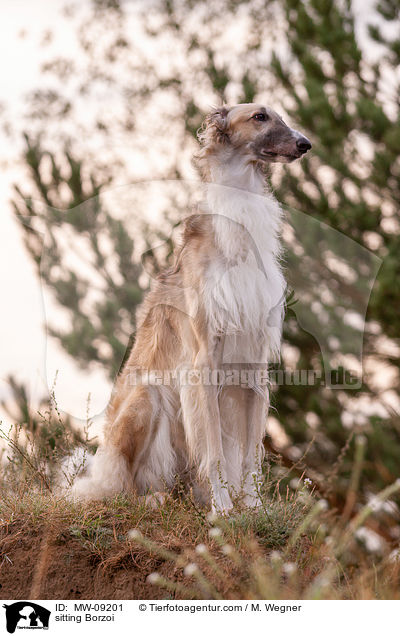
(218, 309)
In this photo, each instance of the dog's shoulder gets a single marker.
(196, 226)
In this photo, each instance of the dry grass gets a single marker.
(291, 547)
(294, 549)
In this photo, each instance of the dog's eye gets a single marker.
(260, 117)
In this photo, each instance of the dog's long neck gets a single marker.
(229, 169)
(244, 287)
(236, 191)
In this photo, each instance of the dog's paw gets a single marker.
(221, 503)
(155, 500)
(252, 501)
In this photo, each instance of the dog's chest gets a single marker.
(243, 285)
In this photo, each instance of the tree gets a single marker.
(351, 181)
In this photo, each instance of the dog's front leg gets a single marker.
(202, 423)
(256, 427)
(215, 457)
(215, 460)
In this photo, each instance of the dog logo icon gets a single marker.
(26, 615)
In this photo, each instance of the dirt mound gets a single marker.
(44, 564)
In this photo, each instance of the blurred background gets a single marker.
(103, 93)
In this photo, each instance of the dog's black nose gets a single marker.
(303, 144)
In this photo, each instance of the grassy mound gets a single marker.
(290, 548)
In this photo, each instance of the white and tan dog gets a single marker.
(208, 433)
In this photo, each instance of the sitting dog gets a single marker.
(216, 312)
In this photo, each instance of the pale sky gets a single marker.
(22, 336)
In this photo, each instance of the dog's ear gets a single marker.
(215, 127)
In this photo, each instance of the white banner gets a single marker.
(194, 617)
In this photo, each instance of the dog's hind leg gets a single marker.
(128, 438)
(157, 469)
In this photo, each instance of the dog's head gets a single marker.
(254, 130)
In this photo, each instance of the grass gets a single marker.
(293, 546)
(293, 549)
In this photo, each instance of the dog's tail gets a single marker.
(91, 477)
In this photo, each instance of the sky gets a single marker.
(24, 349)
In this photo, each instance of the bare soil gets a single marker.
(40, 564)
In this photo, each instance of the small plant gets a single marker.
(38, 440)
(97, 538)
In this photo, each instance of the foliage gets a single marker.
(340, 98)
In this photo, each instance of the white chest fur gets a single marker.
(244, 287)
